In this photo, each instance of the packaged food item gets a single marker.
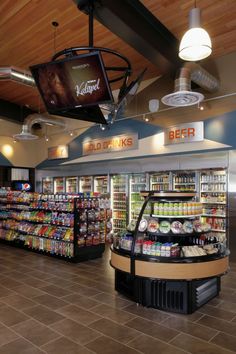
(164, 226)
(153, 225)
(143, 225)
(188, 227)
(176, 227)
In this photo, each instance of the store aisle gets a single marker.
(50, 306)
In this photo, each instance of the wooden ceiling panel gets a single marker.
(27, 35)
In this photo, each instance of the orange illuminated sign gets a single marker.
(183, 133)
(58, 152)
(110, 144)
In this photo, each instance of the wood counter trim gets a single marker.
(120, 262)
(181, 271)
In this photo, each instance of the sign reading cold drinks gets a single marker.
(184, 133)
(110, 144)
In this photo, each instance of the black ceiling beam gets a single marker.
(136, 25)
(13, 112)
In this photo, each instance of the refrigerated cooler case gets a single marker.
(137, 183)
(119, 199)
(47, 185)
(101, 184)
(86, 184)
(213, 196)
(72, 185)
(59, 185)
(185, 181)
(160, 181)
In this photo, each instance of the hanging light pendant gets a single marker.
(196, 43)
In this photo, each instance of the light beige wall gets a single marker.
(31, 153)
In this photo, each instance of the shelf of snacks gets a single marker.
(175, 252)
(92, 224)
(51, 230)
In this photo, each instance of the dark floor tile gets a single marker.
(219, 325)
(18, 301)
(122, 334)
(112, 313)
(43, 314)
(5, 292)
(228, 306)
(148, 313)
(34, 282)
(105, 345)
(16, 275)
(65, 346)
(148, 345)
(225, 340)
(84, 290)
(196, 346)
(81, 301)
(215, 302)
(50, 301)
(192, 317)
(78, 314)
(196, 330)
(39, 275)
(75, 331)
(6, 335)
(217, 312)
(56, 291)
(10, 317)
(228, 283)
(35, 332)
(20, 346)
(152, 329)
(60, 283)
(112, 300)
(10, 283)
(28, 291)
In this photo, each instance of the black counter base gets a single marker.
(168, 295)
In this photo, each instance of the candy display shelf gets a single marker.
(48, 224)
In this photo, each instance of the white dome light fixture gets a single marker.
(196, 42)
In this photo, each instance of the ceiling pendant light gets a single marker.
(196, 43)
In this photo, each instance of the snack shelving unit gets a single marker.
(169, 261)
(50, 224)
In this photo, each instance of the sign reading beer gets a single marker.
(58, 152)
(110, 144)
(184, 133)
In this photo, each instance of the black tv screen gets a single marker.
(72, 83)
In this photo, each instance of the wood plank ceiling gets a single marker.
(27, 36)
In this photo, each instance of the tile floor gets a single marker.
(50, 306)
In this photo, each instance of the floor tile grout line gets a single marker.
(160, 340)
(215, 318)
(115, 340)
(210, 340)
(20, 336)
(48, 326)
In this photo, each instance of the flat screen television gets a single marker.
(73, 86)
(25, 186)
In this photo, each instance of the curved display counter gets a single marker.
(173, 276)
